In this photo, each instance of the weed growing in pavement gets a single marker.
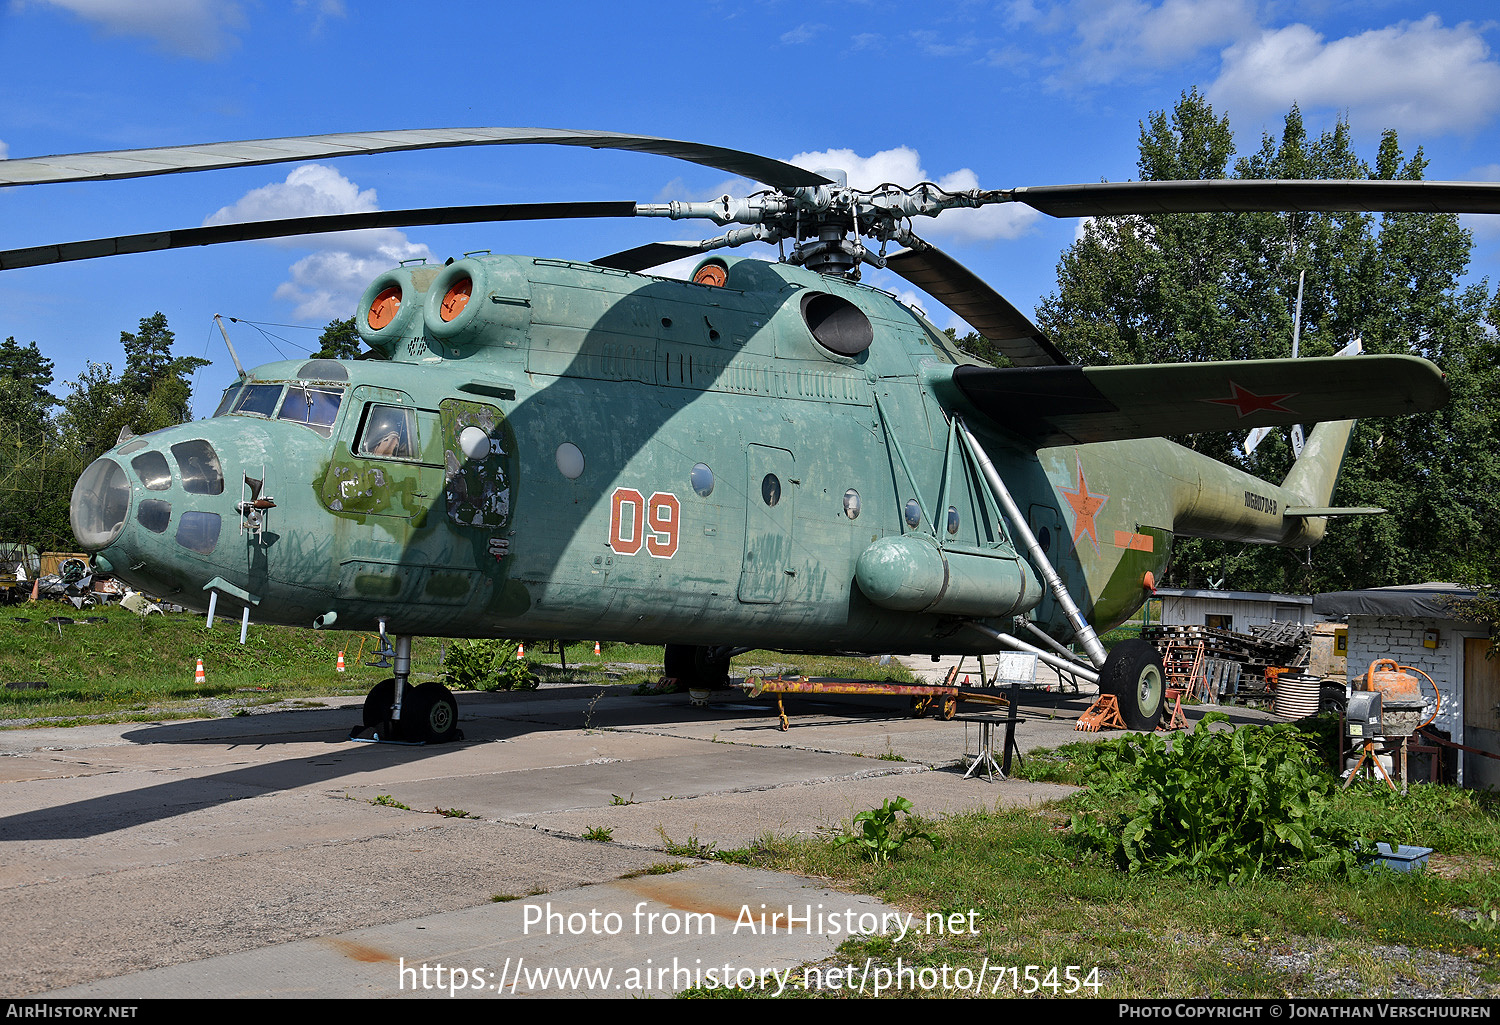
(876, 835)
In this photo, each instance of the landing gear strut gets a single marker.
(401, 713)
(697, 666)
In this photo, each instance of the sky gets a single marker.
(989, 94)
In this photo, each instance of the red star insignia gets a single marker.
(1085, 506)
(1247, 402)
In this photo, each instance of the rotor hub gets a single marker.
(832, 252)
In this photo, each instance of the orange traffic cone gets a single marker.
(341, 661)
(35, 585)
(520, 649)
(198, 676)
(596, 648)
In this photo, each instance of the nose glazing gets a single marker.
(100, 503)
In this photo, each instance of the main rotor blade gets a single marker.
(249, 230)
(137, 163)
(1106, 199)
(652, 254)
(984, 309)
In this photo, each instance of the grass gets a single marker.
(131, 668)
(1038, 896)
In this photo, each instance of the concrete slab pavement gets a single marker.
(202, 858)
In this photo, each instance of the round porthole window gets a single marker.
(702, 479)
(1044, 539)
(851, 504)
(952, 520)
(913, 514)
(770, 489)
(569, 460)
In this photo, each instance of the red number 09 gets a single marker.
(634, 521)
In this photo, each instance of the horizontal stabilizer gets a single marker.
(1081, 405)
(1332, 510)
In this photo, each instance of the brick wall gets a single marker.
(1372, 637)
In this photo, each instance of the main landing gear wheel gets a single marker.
(1133, 673)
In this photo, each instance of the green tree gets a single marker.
(339, 340)
(1190, 287)
(36, 471)
(97, 408)
(152, 373)
(154, 391)
(29, 366)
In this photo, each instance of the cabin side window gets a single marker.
(388, 432)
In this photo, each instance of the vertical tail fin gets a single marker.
(1315, 473)
(1313, 477)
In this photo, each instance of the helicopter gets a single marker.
(765, 455)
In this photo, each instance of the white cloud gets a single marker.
(193, 28)
(903, 166)
(803, 33)
(321, 11)
(1119, 39)
(677, 189)
(329, 282)
(1414, 76)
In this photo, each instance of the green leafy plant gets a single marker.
(1486, 918)
(488, 665)
(692, 847)
(599, 833)
(876, 834)
(1221, 805)
(387, 801)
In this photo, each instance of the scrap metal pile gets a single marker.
(1260, 655)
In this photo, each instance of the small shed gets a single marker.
(1228, 610)
(1420, 625)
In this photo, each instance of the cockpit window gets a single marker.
(228, 400)
(315, 407)
(198, 531)
(199, 466)
(152, 469)
(258, 398)
(389, 432)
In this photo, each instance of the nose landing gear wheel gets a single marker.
(379, 701)
(434, 714)
(429, 713)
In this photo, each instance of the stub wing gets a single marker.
(1080, 405)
